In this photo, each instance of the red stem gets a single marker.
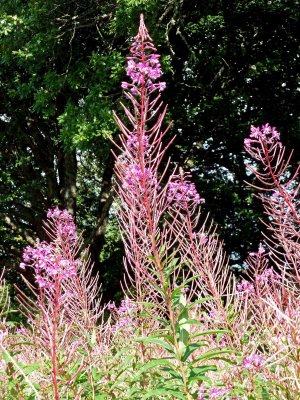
(277, 184)
(54, 333)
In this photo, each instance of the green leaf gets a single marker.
(169, 338)
(190, 349)
(182, 300)
(211, 355)
(159, 290)
(161, 392)
(156, 341)
(170, 267)
(147, 305)
(184, 336)
(175, 295)
(199, 301)
(173, 372)
(209, 332)
(198, 373)
(152, 364)
(27, 369)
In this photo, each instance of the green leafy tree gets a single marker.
(60, 65)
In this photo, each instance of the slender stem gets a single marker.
(277, 184)
(54, 334)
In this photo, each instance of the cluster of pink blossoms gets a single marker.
(64, 224)
(245, 287)
(253, 363)
(143, 74)
(214, 393)
(143, 67)
(268, 276)
(265, 133)
(124, 315)
(138, 179)
(133, 142)
(48, 265)
(140, 71)
(183, 192)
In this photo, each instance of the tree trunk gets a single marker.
(96, 240)
(70, 177)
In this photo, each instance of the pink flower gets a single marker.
(161, 86)
(267, 276)
(253, 363)
(43, 258)
(64, 223)
(183, 192)
(21, 331)
(218, 392)
(124, 315)
(111, 306)
(133, 142)
(265, 133)
(138, 179)
(245, 286)
(143, 66)
(134, 90)
(201, 394)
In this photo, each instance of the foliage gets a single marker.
(185, 329)
(59, 81)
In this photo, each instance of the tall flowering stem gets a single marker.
(53, 264)
(142, 199)
(156, 210)
(66, 307)
(277, 293)
(279, 192)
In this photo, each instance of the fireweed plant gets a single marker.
(185, 329)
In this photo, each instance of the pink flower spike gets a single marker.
(266, 133)
(48, 266)
(143, 67)
(181, 192)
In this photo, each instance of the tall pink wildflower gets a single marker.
(145, 192)
(66, 309)
(279, 192)
(276, 305)
(142, 200)
(152, 207)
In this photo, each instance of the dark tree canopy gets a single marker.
(235, 64)
(227, 65)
